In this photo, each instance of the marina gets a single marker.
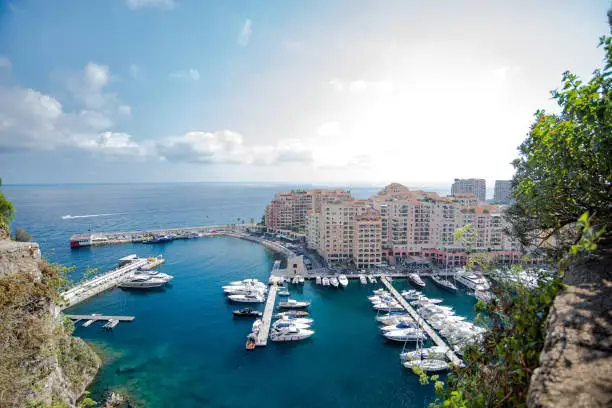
(452, 357)
(111, 321)
(262, 335)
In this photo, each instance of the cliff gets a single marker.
(576, 362)
(40, 362)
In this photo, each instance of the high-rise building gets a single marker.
(288, 209)
(503, 191)
(478, 187)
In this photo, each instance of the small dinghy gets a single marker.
(284, 292)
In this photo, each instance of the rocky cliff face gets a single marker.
(576, 362)
(40, 362)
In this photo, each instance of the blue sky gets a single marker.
(320, 91)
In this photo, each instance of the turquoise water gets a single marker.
(184, 349)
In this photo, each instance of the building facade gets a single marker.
(478, 187)
(503, 191)
(288, 210)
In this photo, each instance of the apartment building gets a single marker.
(503, 191)
(478, 187)
(367, 249)
(288, 210)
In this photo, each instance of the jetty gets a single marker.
(264, 329)
(96, 317)
(100, 283)
(450, 354)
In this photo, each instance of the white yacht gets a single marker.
(397, 326)
(406, 335)
(472, 280)
(301, 280)
(363, 280)
(318, 280)
(428, 365)
(281, 324)
(241, 290)
(325, 281)
(334, 281)
(284, 292)
(388, 307)
(443, 283)
(295, 319)
(436, 352)
(293, 304)
(343, 280)
(247, 298)
(372, 278)
(416, 279)
(384, 317)
(143, 281)
(290, 333)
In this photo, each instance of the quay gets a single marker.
(264, 329)
(96, 317)
(100, 283)
(450, 354)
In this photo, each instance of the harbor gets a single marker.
(264, 330)
(450, 354)
(128, 266)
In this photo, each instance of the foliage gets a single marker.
(7, 211)
(564, 167)
(262, 222)
(22, 236)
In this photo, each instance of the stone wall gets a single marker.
(576, 362)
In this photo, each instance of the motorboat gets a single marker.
(411, 294)
(290, 333)
(472, 280)
(158, 239)
(280, 324)
(295, 280)
(334, 281)
(256, 326)
(416, 279)
(391, 315)
(247, 282)
(372, 278)
(436, 352)
(443, 283)
(293, 304)
(343, 280)
(483, 295)
(405, 335)
(251, 341)
(241, 290)
(293, 319)
(247, 298)
(379, 291)
(325, 281)
(284, 292)
(143, 281)
(291, 313)
(427, 365)
(398, 326)
(389, 307)
(397, 320)
(318, 280)
(300, 280)
(247, 312)
(363, 280)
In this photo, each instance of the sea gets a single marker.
(184, 349)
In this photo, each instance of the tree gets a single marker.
(564, 167)
(7, 212)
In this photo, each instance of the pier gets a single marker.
(96, 317)
(264, 329)
(450, 354)
(100, 283)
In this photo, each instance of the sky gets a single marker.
(320, 91)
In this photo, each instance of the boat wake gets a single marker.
(70, 217)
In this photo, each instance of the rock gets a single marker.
(576, 362)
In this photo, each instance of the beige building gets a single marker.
(367, 249)
(288, 210)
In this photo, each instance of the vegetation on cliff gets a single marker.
(562, 187)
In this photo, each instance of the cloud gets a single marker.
(227, 147)
(4, 62)
(136, 4)
(361, 86)
(329, 129)
(191, 73)
(245, 33)
(89, 88)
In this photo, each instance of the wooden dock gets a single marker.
(264, 329)
(450, 354)
(101, 317)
